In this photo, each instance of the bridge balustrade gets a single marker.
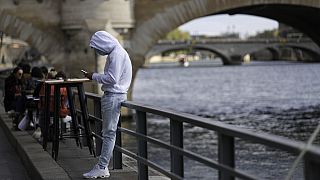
(226, 146)
(235, 40)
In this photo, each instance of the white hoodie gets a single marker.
(118, 69)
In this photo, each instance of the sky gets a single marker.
(215, 25)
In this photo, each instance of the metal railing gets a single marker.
(226, 146)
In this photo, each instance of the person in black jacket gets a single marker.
(14, 101)
(13, 91)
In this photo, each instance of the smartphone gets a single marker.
(84, 71)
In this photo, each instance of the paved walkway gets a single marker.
(21, 157)
(11, 167)
(37, 162)
(76, 161)
(71, 164)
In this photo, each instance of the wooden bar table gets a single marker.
(68, 84)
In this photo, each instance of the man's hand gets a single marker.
(88, 75)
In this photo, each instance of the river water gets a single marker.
(277, 97)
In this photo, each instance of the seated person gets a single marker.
(27, 87)
(33, 99)
(13, 91)
(64, 99)
(63, 112)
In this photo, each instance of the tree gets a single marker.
(177, 34)
(274, 33)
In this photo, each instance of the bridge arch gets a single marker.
(275, 50)
(225, 59)
(18, 28)
(315, 55)
(159, 23)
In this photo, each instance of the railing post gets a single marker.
(117, 156)
(176, 139)
(311, 169)
(141, 123)
(98, 126)
(226, 154)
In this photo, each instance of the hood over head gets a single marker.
(103, 42)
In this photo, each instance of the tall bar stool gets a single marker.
(68, 84)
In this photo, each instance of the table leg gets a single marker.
(83, 105)
(46, 119)
(73, 116)
(55, 142)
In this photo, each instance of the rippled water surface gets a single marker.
(274, 97)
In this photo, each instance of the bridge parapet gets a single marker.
(231, 50)
(236, 40)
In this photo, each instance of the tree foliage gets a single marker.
(274, 33)
(177, 34)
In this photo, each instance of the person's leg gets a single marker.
(110, 108)
(19, 107)
(20, 104)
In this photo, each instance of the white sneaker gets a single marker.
(37, 133)
(96, 172)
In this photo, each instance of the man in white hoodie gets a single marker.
(115, 84)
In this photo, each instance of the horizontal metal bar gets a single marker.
(96, 135)
(277, 142)
(148, 163)
(95, 97)
(189, 154)
(81, 127)
(73, 136)
(91, 117)
(95, 118)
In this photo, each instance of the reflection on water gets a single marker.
(275, 97)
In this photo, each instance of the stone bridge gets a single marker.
(230, 49)
(60, 29)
